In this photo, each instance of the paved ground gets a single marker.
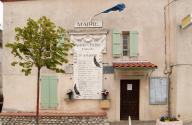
(134, 123)
(188, 123)
(141, 123)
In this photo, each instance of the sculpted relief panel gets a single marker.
(87, 65)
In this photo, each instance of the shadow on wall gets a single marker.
(1, 88)
(1, 93)
(1, 38)
(1, 102)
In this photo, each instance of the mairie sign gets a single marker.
(91, 24)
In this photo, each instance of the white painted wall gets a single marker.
(180, 44)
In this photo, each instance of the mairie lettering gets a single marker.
(88, 24)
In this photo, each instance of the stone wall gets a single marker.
(54, 119)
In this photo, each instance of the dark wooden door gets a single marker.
(129, 100)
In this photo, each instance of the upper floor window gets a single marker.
(125, 43)
(125, 39)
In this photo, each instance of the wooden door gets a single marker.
(129, 99)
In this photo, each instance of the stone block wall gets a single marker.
(54, 119)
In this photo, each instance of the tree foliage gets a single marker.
(40, 43)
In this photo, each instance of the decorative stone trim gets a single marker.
(88, 31)
(85, 118)
(54, 114)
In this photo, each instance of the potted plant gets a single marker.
(69, 94)
(104, 94)
(105, 103)
(168, 120)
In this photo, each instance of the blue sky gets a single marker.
(1, 15)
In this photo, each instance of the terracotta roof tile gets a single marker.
(134, 64)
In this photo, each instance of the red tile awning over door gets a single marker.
(134, 64)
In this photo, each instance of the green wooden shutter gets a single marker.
(117, 49)
(53, 92)
(49, 92)
(44, 92)
(61, 41)
(133, 44)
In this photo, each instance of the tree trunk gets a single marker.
(37, 105)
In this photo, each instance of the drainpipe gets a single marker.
(168, 68)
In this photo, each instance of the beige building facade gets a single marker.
(136, 60)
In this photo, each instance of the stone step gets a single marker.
(142, 123)
(134, 123)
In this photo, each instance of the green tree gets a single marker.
(41, 44)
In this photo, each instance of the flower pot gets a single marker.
(104, 97)
(105, 104)
(70, 96)
(158, 122)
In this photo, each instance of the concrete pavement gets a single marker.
(141, 123)
(134, 123)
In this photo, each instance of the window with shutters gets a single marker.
(125, 43)
(49, 92)
(125, 40)
(158, 90)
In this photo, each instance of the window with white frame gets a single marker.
(158, 92)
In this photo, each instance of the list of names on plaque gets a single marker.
(88, 68)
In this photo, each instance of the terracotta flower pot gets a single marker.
(105, 104)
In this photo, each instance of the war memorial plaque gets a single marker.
(87, 65)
